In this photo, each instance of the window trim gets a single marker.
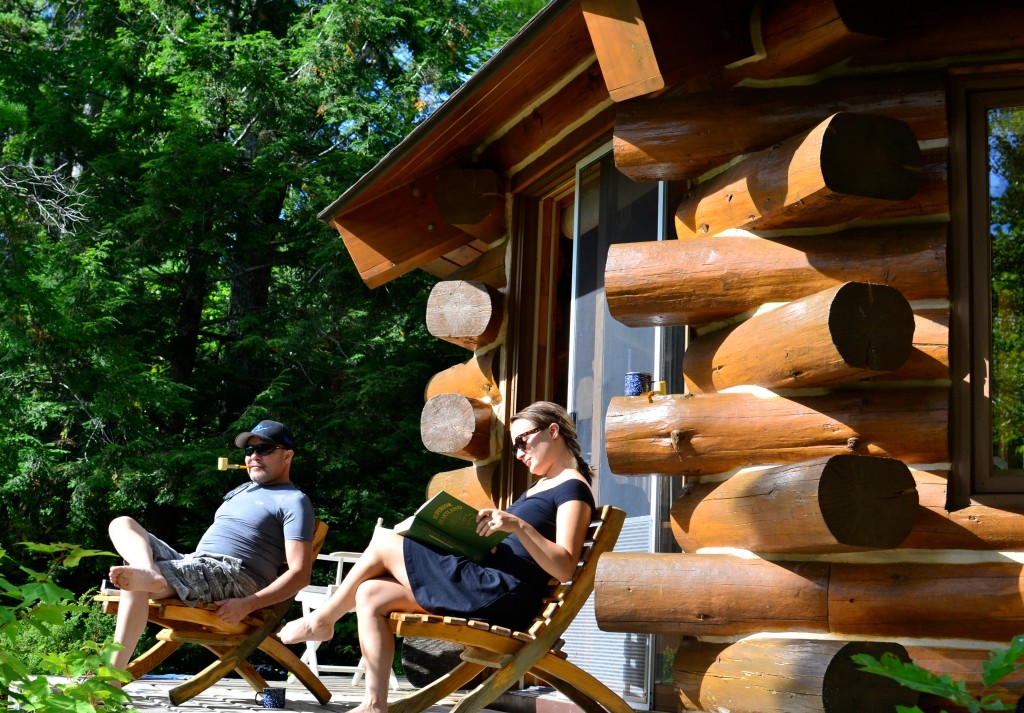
(971, 478)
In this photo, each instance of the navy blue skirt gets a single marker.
(504, 589)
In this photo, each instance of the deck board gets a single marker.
(234, 694)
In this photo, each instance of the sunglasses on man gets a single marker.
(264, 449)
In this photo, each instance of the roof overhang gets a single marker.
(546, 95)
(388, 218)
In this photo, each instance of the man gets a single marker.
(262, 526)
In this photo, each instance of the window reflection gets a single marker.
(1006, 236)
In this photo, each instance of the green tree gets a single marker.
(166, 282)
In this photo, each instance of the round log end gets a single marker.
(867, 501)
(872, 326)
(464, 312)
(871, 156)
(848, 689)
(456, 425)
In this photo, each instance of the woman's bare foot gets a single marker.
(305, 629)
(365, 707)
(136, 579)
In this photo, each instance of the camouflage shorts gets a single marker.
(202, 576)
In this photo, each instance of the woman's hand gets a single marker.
(491, 520)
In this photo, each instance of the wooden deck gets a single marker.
(234, 694)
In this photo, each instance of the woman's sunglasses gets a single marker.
(519, 444)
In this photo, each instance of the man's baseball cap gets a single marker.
(268, 431)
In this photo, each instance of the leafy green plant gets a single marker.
(38, 606)
(1001, 663)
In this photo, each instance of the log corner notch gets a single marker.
(473, 200)
(840, 503)
(474, 378)
(465, 312)
(848, 332)
(457, 426)
(474, 484)
(837, 171)
(757, 675)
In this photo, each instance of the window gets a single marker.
(987, 269)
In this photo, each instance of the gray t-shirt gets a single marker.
(253, 524)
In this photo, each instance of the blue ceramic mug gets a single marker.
(637, 382)
(271, 697)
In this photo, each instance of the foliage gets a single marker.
(166, 281)
(1001, 663)
(35, 611)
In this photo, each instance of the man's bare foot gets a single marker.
(305, 629)
(136, 579)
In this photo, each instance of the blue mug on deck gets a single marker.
(271, 697)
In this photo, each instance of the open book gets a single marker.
(449, 523)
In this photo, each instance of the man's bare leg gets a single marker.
(139, 580)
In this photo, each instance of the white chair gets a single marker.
(313, 597)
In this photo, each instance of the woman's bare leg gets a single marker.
(375, 600)
(384, 557)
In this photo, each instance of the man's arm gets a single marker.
(299, 556)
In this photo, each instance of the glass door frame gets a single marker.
(659, 345)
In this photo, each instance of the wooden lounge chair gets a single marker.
(513, 654)
(232, 644)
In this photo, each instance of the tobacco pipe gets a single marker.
(222, 464)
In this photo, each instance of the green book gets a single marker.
(449, 523)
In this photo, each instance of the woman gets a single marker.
(548, 525)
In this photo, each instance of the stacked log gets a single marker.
(793, 675)
(759, 288)
(458, 417)
(716, 433)
(457, 426)
(475, 484)
(966, 665)
(975, 527)
(801, 37)
(841, 169)
(842, 334)
(489, 268)
(841, 503)
(474, 378)
(674, 138)
(733, 597)
(466, 313)
(929, 354)
(700, 280)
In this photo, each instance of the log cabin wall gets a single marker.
(811, 267)
(810, 142)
